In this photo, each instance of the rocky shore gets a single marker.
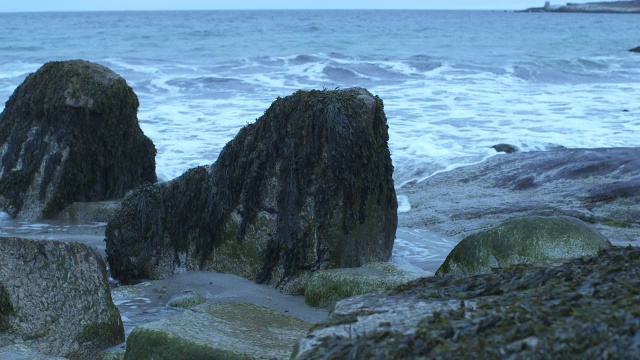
(296, 220)
(620, 7)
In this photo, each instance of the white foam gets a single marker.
(403, 204)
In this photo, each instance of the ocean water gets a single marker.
(453, 82)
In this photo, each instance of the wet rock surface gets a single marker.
(598, 186)
(218, 331)
(55, 298)
(584, 308)
(529, 239)
(307, 187)
(70, 133)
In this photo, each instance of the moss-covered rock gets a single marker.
(187, 300)
(70, 133)
(325, 287)
(217, 331)
(586, 308)
(307, 187)
(57, 298)
(530, 239)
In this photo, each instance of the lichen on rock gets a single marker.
(308, 186)
(70, 133)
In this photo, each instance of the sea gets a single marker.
(453, 83)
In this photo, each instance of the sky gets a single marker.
(128, 5)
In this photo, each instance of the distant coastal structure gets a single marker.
(626, 7)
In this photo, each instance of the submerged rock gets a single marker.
(70, 133)
(529, 239)
(217, 331)
(505, 148)
(585, 308)
(55, 298)
(307, 187)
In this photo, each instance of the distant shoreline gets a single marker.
(607, 7)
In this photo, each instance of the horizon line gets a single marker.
(283, 9)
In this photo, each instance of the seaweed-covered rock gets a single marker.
(55, 298)
(307, 187)
(529, 239)
(586, 308)
(325, 287)
(70, 133)
(217, 331)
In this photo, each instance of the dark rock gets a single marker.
(55, 298)
(635, 49)
(529, 239)
(598, 186)
(70, 133)
(505, 148)
(307, 187)
(585, 308)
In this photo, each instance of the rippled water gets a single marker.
(453, 82)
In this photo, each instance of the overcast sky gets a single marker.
(111, 5)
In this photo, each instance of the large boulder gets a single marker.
(586, 308)
(598, 186)
(55, 298)
(307, 187)
(70, 133)
(529, 239)
(218, 331)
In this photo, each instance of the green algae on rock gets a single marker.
(307, 187)
(70, 133)
(217, 331)
(585, 308)
(187, 300)
(324, 288)
(529, 239)
(60, 296)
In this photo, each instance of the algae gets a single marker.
(531, 239)
(317, 162)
